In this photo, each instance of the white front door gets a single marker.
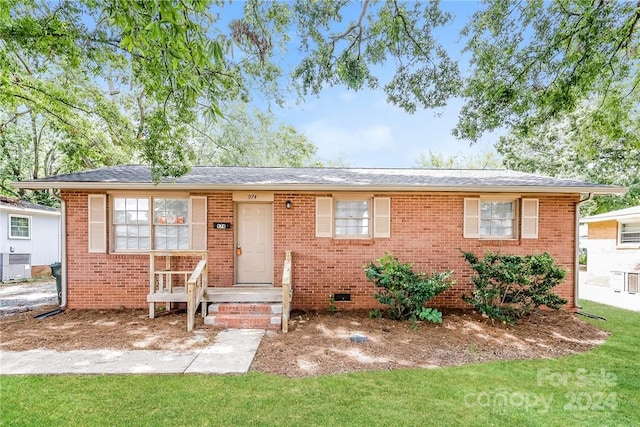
(254, 246)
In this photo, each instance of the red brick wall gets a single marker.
(607, 230)
(100, 280)
(426, 229)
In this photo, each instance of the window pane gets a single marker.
(131, 219)
(630, 233)
(120, 217)
(497, 219)
(19, 227)
(145, 243)
(352, 218)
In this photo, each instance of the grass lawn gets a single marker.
(601, 387)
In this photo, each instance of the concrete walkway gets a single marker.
(231, 353)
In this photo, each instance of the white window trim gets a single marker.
(112, 243)
(112, 225)
(472, 218)
(346, 198)
(516, 218)
(629, 245)
(10, 234)
(379, 216)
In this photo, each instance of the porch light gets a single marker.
(288, 204)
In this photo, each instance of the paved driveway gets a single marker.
(25, 296)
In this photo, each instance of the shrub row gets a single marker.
(506, 287)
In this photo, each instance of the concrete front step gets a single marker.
(245, 315)
(244, 321)
(245, 308)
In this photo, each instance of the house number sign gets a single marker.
(222, 225)
(252, 196)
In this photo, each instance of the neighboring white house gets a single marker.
(29, 239)
(613, 249)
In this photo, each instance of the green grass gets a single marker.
(501, 393)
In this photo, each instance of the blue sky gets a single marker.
(363, 130)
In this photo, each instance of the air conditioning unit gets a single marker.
(616, 280)
(632, 281)
(15, 267)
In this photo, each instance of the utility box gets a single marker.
(616, 280)
(15, 266)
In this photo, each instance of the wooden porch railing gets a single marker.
(196, 289)
(286, 291)
(162, 288)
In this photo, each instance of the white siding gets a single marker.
(603, 257)
(44, 244)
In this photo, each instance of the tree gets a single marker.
(81, 64)
(351, 53)
(253, 138)
(486, 160)
(139, 74)
(532, 62)
(599, 142)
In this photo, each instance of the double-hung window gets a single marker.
(19, 227)
(497, 219)
(500, 218)
(171, 223)
(139, 224)
(630, 233)
(353, 217)
(131, 224)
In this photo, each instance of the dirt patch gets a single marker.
(319, 344)
(102, 329)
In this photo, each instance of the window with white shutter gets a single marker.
(353, 217)
(324, 217)
(497, 218)
(143, 223)
(199, 223)
(97, 223)
(382, 217)
(529, 219)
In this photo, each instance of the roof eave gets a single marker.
(597, 190)
(620, 218)
(23, 210)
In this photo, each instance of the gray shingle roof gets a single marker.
(23, 204)
(354, 179)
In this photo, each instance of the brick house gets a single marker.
(332, 220)
(613, 248)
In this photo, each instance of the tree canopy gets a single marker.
(133, 79)
(485, 160)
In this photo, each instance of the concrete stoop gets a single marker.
(245, 315)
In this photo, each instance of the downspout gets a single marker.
(63, 250)
(576, 252)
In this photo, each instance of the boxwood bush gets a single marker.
(404, 291)
(508, 287)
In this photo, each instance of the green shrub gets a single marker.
(404, 291)
(582, 256)
(507, 287)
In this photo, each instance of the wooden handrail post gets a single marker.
(152, 284)
(286, 291)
